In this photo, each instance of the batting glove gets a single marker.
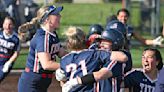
(69, 85)
(158, 40)
(60, 75)
(6, 67)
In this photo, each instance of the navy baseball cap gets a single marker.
(52, 10)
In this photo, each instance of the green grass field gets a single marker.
(136, 52)
(83, 15)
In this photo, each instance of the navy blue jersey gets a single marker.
(94, 45)
(139, 81)
(113, 84)
(128, 65)
(8, 45)
(159, 87)
(85, 62)
(42, 41)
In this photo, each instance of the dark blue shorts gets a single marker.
(33, 82)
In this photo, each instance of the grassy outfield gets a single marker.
(86, 14)
(83, 15)
(136, 52)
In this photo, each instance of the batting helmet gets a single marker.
(95, 29)
(115, 37)
(117, 25)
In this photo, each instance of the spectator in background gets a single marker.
(44, 47)
(28, 29)
(21, 10)
(12, 7)
(9, 47)
(123, 16)
(3, 12)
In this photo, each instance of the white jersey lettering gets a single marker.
(146, 88)
(6, 44)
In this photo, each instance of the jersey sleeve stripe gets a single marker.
(46, 44)
(36, 64)
(96, 87)
(112, 64)
(114, 85)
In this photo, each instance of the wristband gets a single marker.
(88, 79)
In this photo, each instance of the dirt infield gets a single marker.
(10, 84)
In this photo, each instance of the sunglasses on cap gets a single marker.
(52, 10)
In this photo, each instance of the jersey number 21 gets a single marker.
(73, 68)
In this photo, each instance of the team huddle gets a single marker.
(97, 62)
(82, 70)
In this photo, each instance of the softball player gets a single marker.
(119, 26)
(123, 16)
(44, 48)
(9, 47)
(95, 31)
(107, 37)
(115, 25)
(144, 80)
(80, 63)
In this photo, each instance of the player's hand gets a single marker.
(60, 75)
(158, 40)
(69, 85)
(6, 67)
